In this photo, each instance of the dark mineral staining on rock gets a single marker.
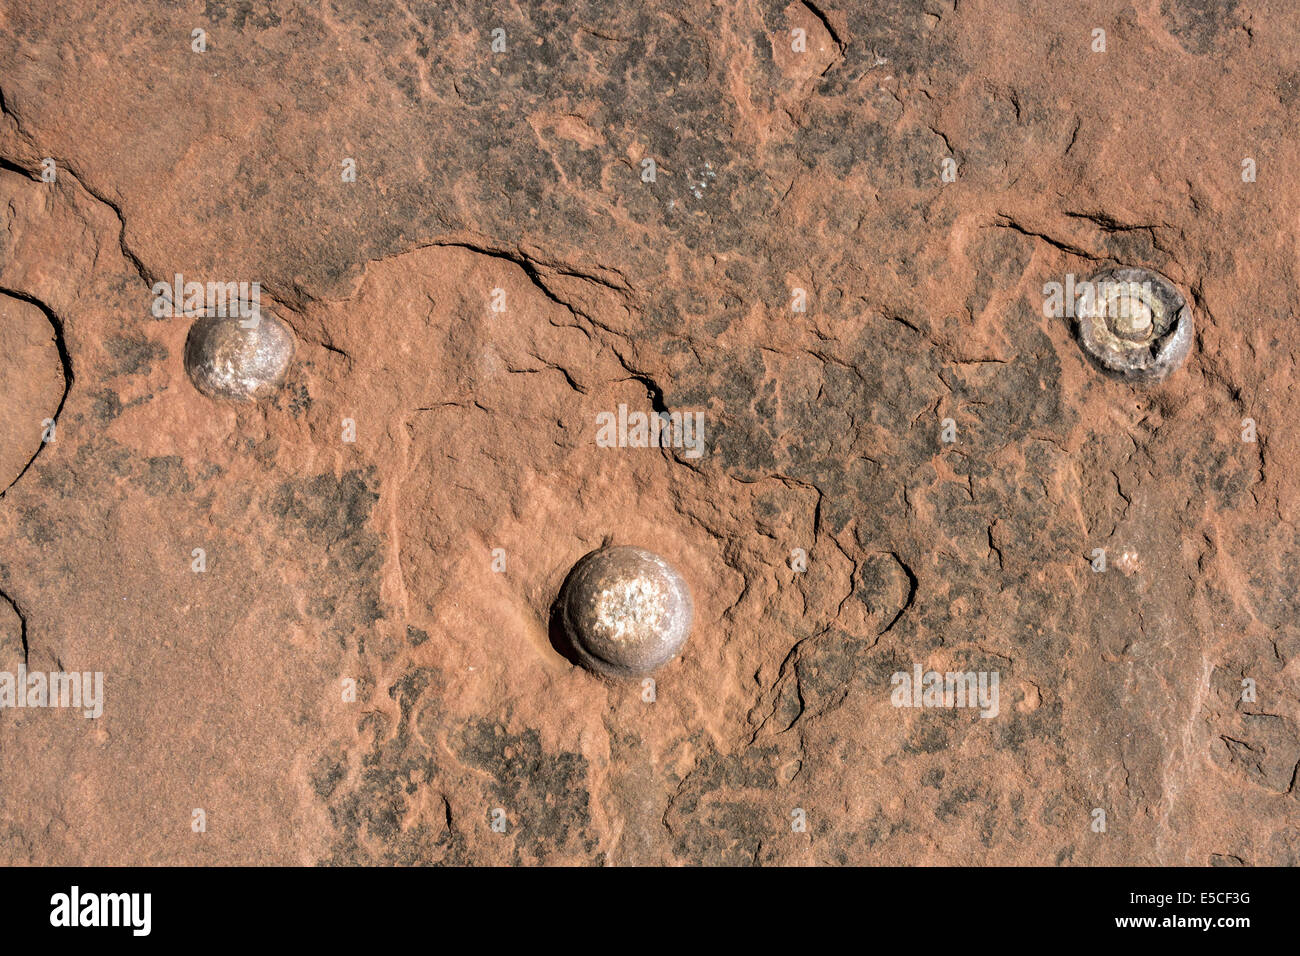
(106, 405)
(225, 358)
(1134, 324)
(166, 474)
(132, 354)
(626, 611)
(300, 399)
(547, 792)
(718, 813)
(930, 735)
(325, 521)
(328, 773)
(1263, 749)
(1200, 25)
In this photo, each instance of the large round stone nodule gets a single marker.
(227, 359)
(626, 611)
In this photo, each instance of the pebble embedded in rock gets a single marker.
(225, 359)
(626, 611)
(1134, 324)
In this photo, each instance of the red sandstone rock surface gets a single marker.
(517, 178)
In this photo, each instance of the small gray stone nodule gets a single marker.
(227, 359)
(626, 611)
(1134, 324)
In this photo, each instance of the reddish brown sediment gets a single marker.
(802, 269)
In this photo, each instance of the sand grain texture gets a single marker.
(522, 171)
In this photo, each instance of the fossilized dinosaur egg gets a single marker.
(244, 360)
(626, 611)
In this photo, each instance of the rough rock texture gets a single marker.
(516, 180)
